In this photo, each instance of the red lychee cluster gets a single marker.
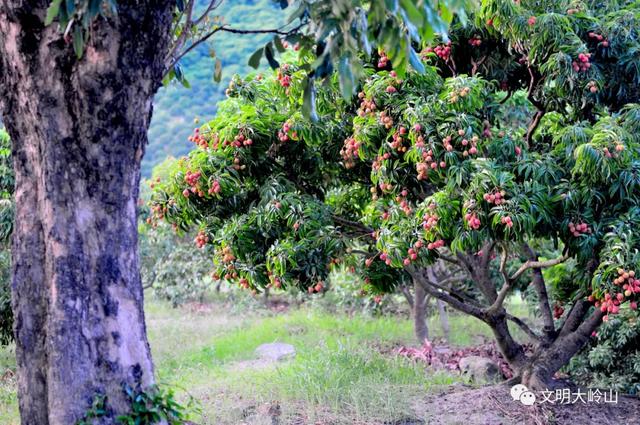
(475, 41)
(397, 139)
(435, 245)
(404, 204)
(385, 187)
(531, 21)
(506, 220)
(495, 197)
(609, 302)
(384, 257)
(215, 188)
(275, 281)
(198, 139)
(318, 287)
(443, 51)
(386, 120)
(558, 310)
(192, 178)
(227, 255)
(429, 221)
(367, 106)
(158, 213)
(472, 220)
(578, 229)
(428, 162)
(455, 95)
(283, 77)
(619, 147)
(384, 59)
(582, 64)
(201, 239)
(349, 152)
(469, 146)
(244, 283)
(240, 140)
(377, 163)
(599, 38)
(285, 134)
(412, 255)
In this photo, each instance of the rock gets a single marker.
(275, 351)
(480, 369)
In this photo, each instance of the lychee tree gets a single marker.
(511, 153)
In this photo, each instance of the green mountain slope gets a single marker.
(175, 106)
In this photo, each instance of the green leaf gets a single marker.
(52, 12)
(180, 5)
(415, 61)
(278, 43)
(392, 5)
(78, 41)
(345, 73)
(309, 100)
(94, 8)
(254, 60)
(217, 74)
(268, 53)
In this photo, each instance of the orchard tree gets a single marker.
(77, 79)
(511, 152)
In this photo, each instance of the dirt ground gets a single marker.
(494, 406)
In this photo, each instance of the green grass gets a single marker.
(8, 394)
(344, 370)
(338, 374)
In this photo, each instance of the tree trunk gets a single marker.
(78, 128)
(420, 312)
(538, 374)
(444, 319)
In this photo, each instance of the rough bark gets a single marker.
(78, 128)
(509, 347)
(538, 375)
(420, 327)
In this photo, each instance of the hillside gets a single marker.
(175, 106)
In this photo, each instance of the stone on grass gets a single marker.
(480, 369)
(275, 351)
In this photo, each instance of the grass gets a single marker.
(340, 374)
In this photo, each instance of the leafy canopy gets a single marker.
(521, 128)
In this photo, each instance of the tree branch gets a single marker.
(522, 325)
(225, 28)
(538, 265)
(352, 224)
(541, 291)
(533, 83)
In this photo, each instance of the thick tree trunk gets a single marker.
(78, 129)
(543, 365)
(420, 312)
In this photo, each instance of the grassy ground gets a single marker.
(339, 374)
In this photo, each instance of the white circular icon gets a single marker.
(528, 398)
(517, 390)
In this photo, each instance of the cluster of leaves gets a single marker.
(151, 406)
(432, 162)
(6, 226)
(339, 32)
(612, 359)
(75, 16)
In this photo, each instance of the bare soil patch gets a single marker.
(493, 406)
